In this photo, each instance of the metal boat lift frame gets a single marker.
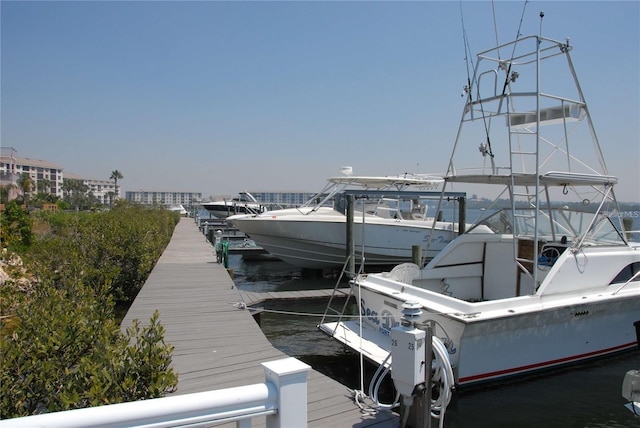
(352, 194)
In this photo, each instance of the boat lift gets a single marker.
(353, 194)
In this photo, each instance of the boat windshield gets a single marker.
(557, 224)
(245, 197)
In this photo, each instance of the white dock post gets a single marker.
(289, 375)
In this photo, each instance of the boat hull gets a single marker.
(222, 210)
(319, 241)
(495, 348)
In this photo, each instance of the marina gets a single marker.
(492, 281)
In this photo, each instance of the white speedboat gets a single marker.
(552, 279)
(180, 209)
(314, 235)
(244, 203)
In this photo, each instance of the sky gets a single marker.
(219, 97)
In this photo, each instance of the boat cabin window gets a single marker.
(627, 273)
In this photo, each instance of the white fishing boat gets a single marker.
(548, 281)
(244, 203)
(314, 235)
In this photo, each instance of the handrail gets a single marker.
(282, 398)
(637, 275)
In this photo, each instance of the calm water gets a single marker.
(584, 396)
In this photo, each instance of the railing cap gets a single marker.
(286, 366)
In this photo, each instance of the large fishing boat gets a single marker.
(551, 279)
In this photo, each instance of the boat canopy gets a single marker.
(422, 181)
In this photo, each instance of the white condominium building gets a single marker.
(45, 176)
(167, 199)
(101, 189)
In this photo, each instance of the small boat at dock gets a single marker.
(244, 203)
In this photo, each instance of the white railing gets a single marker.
(282, 398)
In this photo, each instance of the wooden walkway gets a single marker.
(218, 345)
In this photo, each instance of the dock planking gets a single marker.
(218, 345)
(251, 298)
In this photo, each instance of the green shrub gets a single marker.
(15, 228)
(60, 346)
(67, 352)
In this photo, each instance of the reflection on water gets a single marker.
(583, 396)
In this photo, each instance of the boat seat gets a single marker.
(405, 273)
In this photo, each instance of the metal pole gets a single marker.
(428, 357)
(351, 249)
(462, 215)
(416, 254)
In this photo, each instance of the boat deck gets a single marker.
(218, 345)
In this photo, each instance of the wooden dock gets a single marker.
(218, 345)
(251, 298)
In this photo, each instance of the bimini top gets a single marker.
(422, 181)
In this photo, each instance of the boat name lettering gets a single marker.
(385, 321)
(437, 239)
(369, 313)
(388, 322)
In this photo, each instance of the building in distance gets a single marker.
(164, 198)
(45, 176)
(102, 190)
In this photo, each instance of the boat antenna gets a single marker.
(541, 17)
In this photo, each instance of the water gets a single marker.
(582, 396)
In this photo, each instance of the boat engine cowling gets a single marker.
(631, 385)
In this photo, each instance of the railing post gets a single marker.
(289, 376)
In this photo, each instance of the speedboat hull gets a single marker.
(224, 209)
(318, 240)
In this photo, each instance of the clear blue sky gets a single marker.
(219, 97)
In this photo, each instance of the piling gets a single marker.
(416, 254)
(351, 247)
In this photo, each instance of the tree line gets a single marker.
(76, 194)
(65, 274)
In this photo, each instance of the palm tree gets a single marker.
(25, 183)
(115, 176)
(44, 185)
